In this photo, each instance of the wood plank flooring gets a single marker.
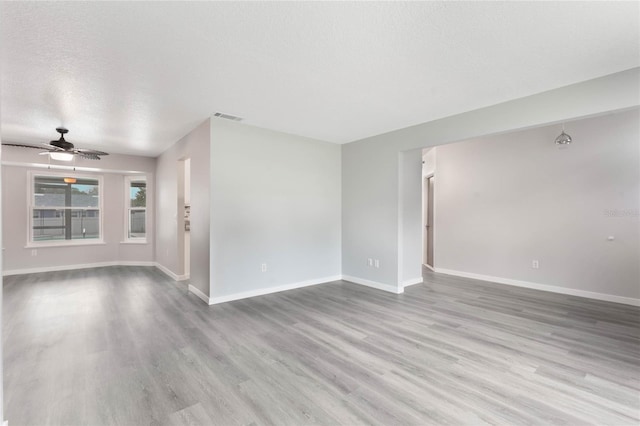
(127, 346)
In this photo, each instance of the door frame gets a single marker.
(183, 238)
(426, 194)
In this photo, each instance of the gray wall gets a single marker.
(370, 167)
(275, 200)
(195, 145)
(503, 201)
(410, 228)
(15, 214)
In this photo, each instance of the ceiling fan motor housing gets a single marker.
(61, 143)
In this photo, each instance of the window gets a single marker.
(65, 208)
(136, 203)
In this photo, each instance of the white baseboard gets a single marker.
(429, 267)
(164, 269)
(170, 273)
(413, 281)
(134, 263)
(301, 284)
(200, 294)
(72, 267)
(544, 287)
(374, 284)
(270, 290)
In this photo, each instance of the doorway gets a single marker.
(428, 222)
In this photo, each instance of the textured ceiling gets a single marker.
(134, 77)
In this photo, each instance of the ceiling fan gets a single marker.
(62, 150)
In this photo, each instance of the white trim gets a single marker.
(135, 242)
(135, 263)
(269, 290)
(170, 273)
(413, 281)
(422, 215)
(200, 294)
(429, 267)
(69, 168)
(544, 287)
(72, 267)
(162, 268)
(400, 210)
(64, 243)
(428, 176)
(373, 284)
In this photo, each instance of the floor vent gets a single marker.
(227, 116)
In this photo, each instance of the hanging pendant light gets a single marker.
(563, 139)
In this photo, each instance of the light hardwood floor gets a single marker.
(127, 346)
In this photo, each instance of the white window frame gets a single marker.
(127, 210)
(31, 206)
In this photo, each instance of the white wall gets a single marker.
(195, 145)
(370, 167)
(17, 162)
(503, 201)
(275, 200)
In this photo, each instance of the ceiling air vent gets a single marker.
(227, 116)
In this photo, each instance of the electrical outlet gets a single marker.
(34, 252)
(535, 264)
(370, 262)
(377, 263)
(264, 267)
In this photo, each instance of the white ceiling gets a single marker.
(135, 77)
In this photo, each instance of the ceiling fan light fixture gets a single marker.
(61, 156)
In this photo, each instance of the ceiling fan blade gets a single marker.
(62, 146)
(88, 156)
(82, 151)
(51, 147)
(28, 146)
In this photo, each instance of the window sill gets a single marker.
(65, 244)
(134, 242)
